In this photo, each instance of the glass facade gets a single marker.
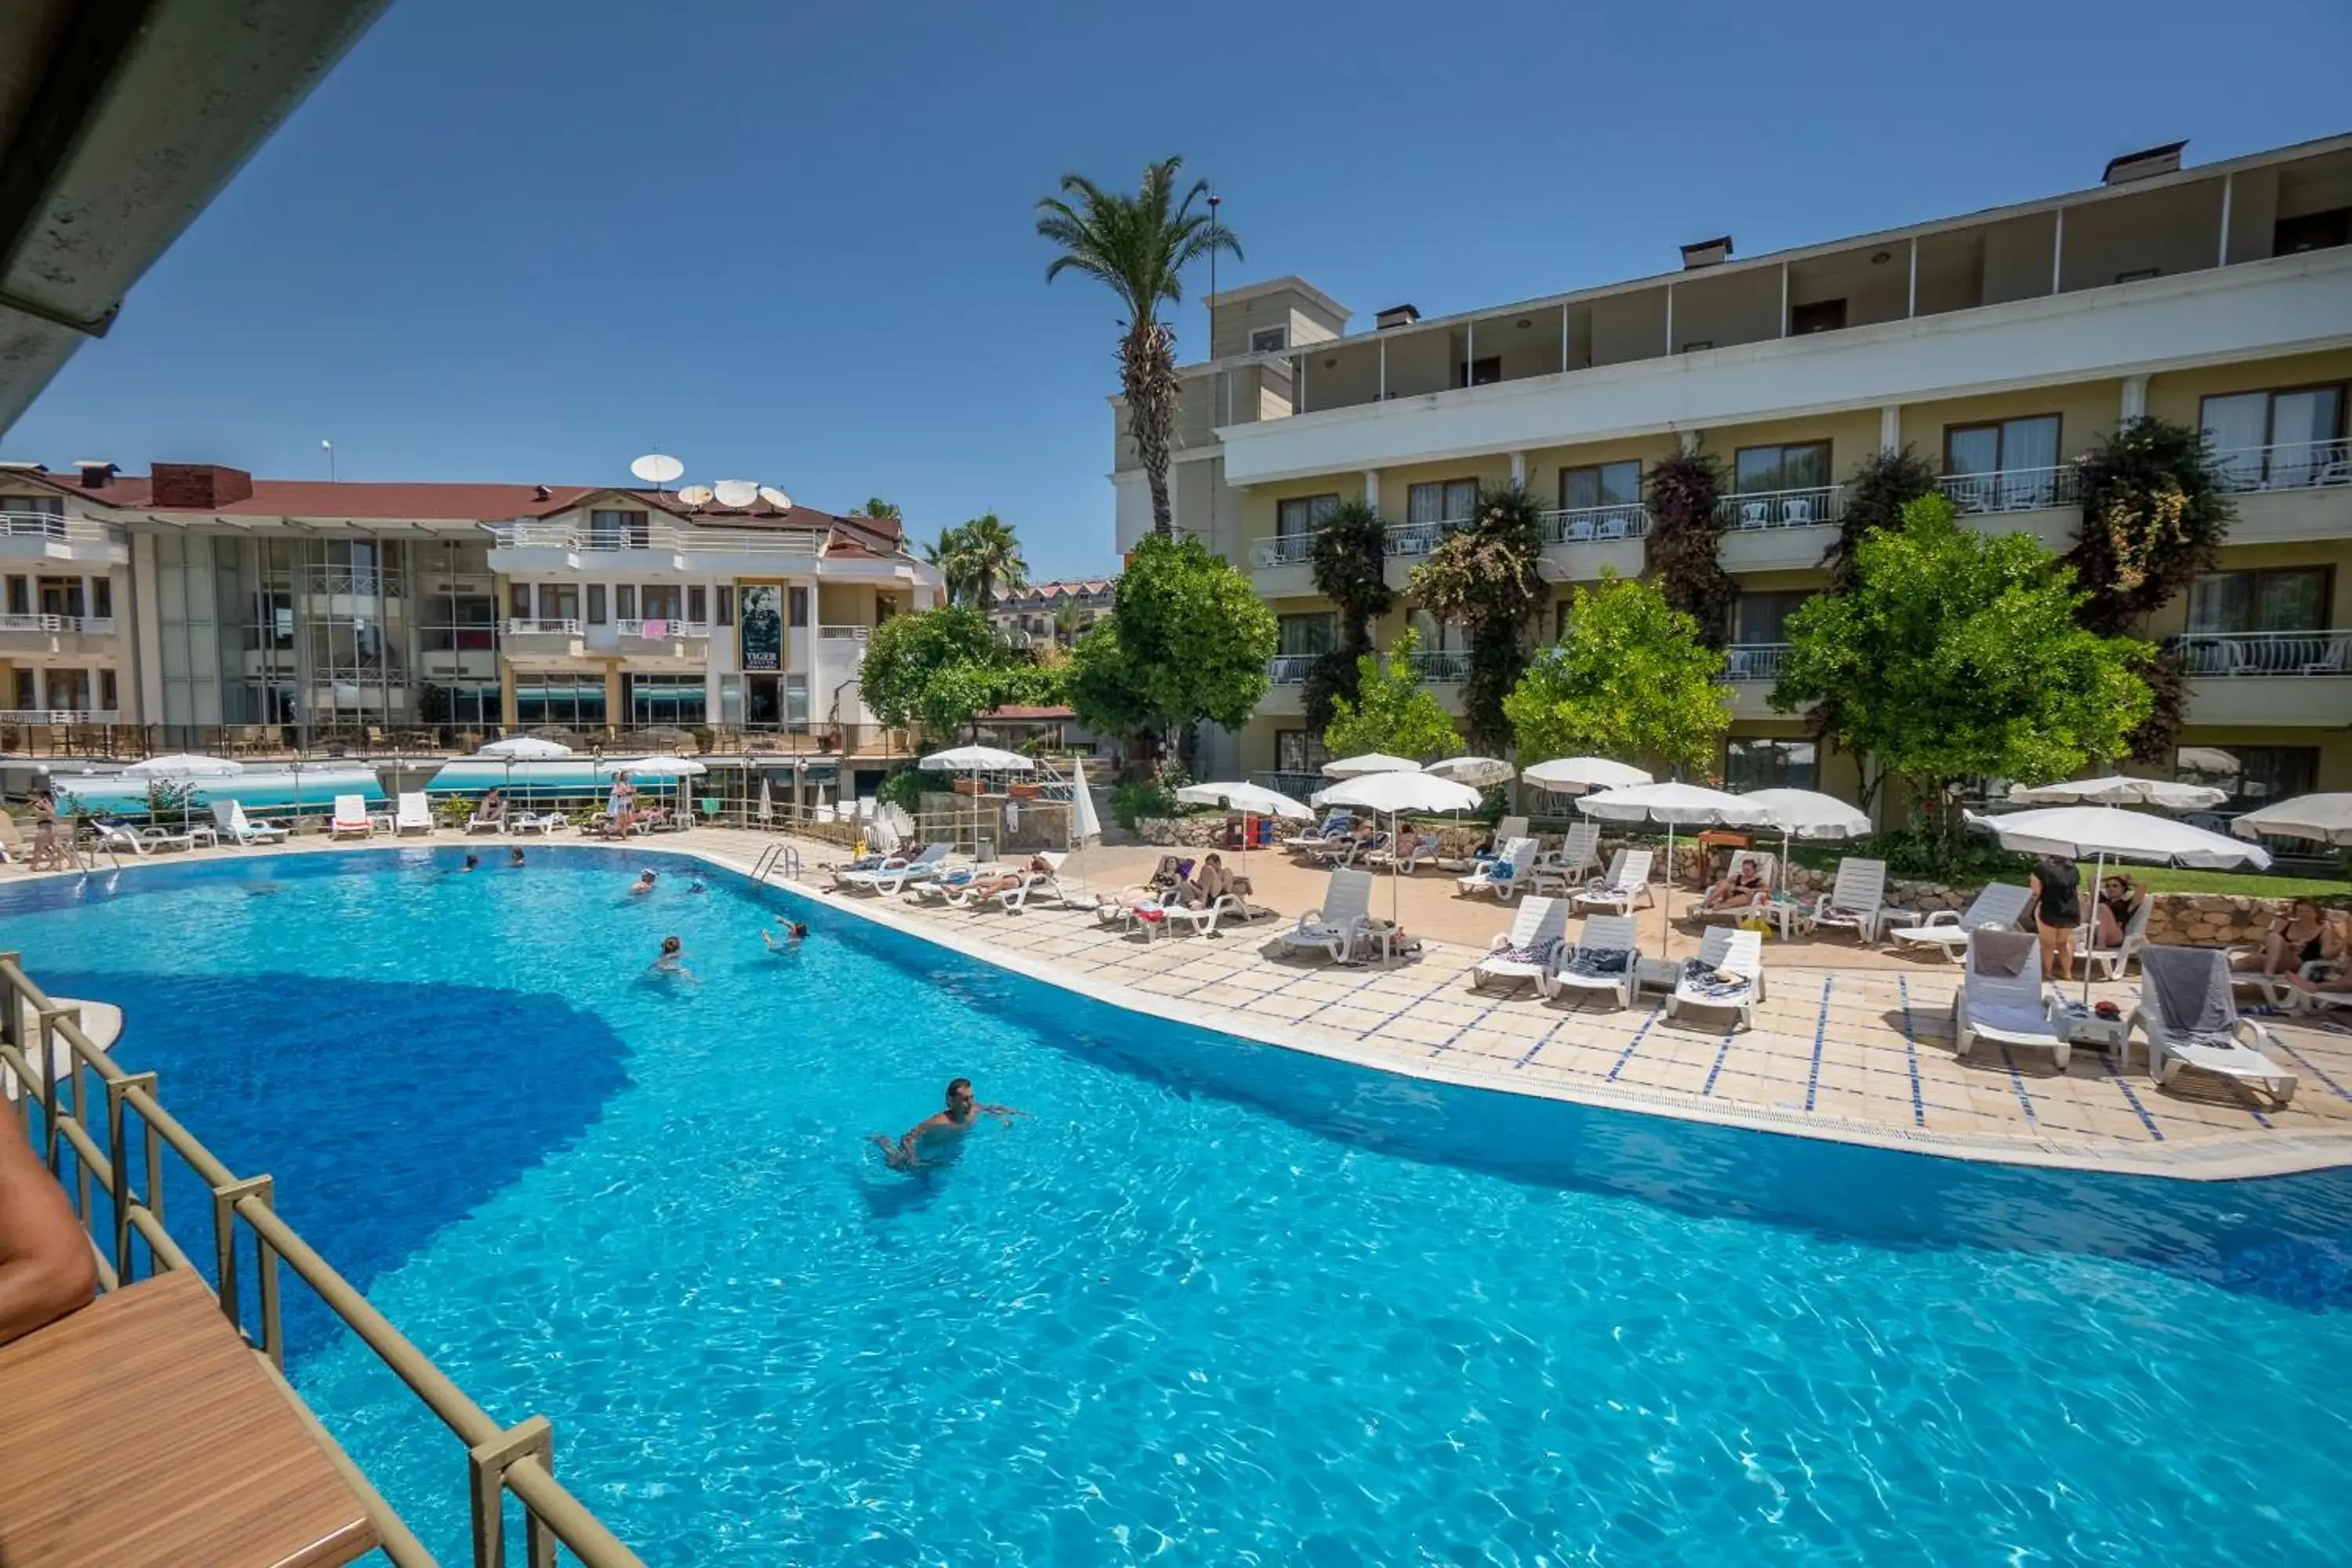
(561, 701)
(674, 701)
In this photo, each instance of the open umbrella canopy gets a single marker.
(2082, 831)
(1574, 775)
(2119, 789)
(1397, 792)
(1084, 822)
(978, 760)
(1370, 763)
(1674, 803)
(525, 746)
(2325, 818)
(1478, 773)
(1809, 814)
(653, 767)
(1254, 799)
(184, 766)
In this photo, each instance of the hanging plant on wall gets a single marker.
(1685, 539)
(1485, 579)
(1880, 487)
(1350, 565)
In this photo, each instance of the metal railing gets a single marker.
(1441, 666)
(1782, 508)
(675, 540)
(16, 524)
(95, 626)
(843, 634)
(1421, 538)
(97, 736)
(1291, 668)
(1755, 660)
(53, 716)
(91, 1138)
(1286, 550)
(2288, 466)
(2230, 654)
(1596, 524)
(555, 626)
(1297, 786)
(670, 628)
(2013, 490)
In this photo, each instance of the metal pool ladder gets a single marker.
(777, 856)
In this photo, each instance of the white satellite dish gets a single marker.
(736, 492)
(656, 469)
(695, 495)
(775, 497)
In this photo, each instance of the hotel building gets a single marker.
(198, 598)
(1999, 345)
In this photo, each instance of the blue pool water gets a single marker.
(1210, 1302)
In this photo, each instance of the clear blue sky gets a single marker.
(528, 240)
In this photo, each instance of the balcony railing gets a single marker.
(1297, 786)
(1421, 538)
(33, 525)
(1290, 668)
(95, 626)
(843, 634)
(550, 626)
(2228, 654)
(2013, 490)
(1286, 550)
(727, 541)
(1782, 508)
(1596, 524)
(2289, 466)
(662, 629)
(1441, 666)
(1755, 660)
(57, 716)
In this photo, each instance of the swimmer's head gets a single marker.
(670, 945)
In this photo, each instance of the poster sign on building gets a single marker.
(762, 626)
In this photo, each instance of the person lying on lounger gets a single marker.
(1736, 889)
(944, 1129)
(1005, 881)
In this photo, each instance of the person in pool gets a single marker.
(672, 959)
(949, 1125)
(643, 885)
(514, 860)
(795, 934)
(473, 862)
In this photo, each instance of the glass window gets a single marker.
(101, 597)
(2255, 775)
(25, 702)
(625, 602)
(520, 607)
(2274, 599)
(1603, 484)
(559, 601)
(698, 605)
(1750, 763)
(1302, 515)
(1269, 340)
(1444, 500)
(2002, 445)
(797, 602)
(674, 700)
(1795, 466)
(105, 689)
(660, 601)
(617, 531)
(1763, 617)
(595, 603)
(565, 700)
(1310, 633)
(2276, 440)
(726, 606)
(20, 595)
(1299, 751)
(1821, 316)
(796, 703)
(730, 694)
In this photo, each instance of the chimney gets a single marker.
(1706, 253)
(2143, 166)
(538, 492)
(1396, 316)
(96, 474)
(197, 486)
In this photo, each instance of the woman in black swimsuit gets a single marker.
(2120, 901)
(2292, 943)
(2057, 910)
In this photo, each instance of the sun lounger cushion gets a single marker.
(1599, 962)
(1705, 980)
(1539, 953)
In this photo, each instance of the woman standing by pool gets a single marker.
(2056, 886)
(621, 804)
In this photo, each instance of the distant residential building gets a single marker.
(1061, 609)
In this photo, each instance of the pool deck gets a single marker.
(1848, 1047)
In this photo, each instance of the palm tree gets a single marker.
(946, 553)
(1140, 247)
(986, 556)
(881, 510)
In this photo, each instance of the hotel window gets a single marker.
(2007, 465)
(1301, 515)
(2271, 599)
(1821, 316)
(1443, 502)
(567, 701)
(676, 700)
(625, 602)
(1763, 618)
(1269, 340)
(1303, 635)
(1600, 485)
(2286, 439)
(698, 605)
(796, 704)
(1771, 765)
(559, 601)
(101, 600)
(20, 595)
(661, 601)
(726, 606)
(520, 602)
(61, 596)
(1483, 372)
(796, 602)
(2312, 231)
(24, 694)
(595, 603)
(618, 530)
(2254, 776)
(105, 689)
(1794, 466)
(1299, 751)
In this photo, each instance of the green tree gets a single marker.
(1350, 565)
(1880, 487)
(1686, 541)
(881, 510)
(1187, 639)
(1632, 678)
(983, 557)
(905, 653)
(946, 553)
(1484, 579)
(958, 693)
(1956, 655)
(1138, 245)
(1390, 712)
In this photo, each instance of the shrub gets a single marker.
(1139, 798)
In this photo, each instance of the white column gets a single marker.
(1670, 319)
(1469, 352)
(147, 630)
(1784, 298)
(1890, 427)
(2057, 249)
(1518, 468)
(40, 687)
(1563, 340)
(714, 663)
(1911, 305)
(2135, 396)
(1384, 369)
(1689, 439)
(2229, 183)
(1372, 489)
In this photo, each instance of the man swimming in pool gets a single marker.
(953, 1122)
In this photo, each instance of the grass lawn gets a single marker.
(2252, 884)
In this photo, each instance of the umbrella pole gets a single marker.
(2091, 941)
(1667, 901)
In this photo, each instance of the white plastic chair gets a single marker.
(1505, 878)
(2117, 959)
(1540, 927)
(1625, 886)
(2186, 1014)
(2001, 998)
(411, 814)
(1342, 919)
(229, 816)
(1601, 934)
(1579, 849)
(1751, 514)
(1723, 950)
(1854, 901)
(1998, 906)
(351, 816)
(1797, 512)
(1768, 865)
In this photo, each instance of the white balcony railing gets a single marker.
(1421, 538)
(2262, 653)
(675, 540)
(662, 629)
(1782, 508)
(1755, 660)
(1441, 666)
(1286, 550)
(542, 626)
(2011, 489)
(2289, 466)
(843, 634)
(1290, 668)
(94, 626)
(32, 525)
(1596, 524)
(58, 716)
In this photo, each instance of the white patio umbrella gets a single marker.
(2102, 831)
(1478, 773)
(526, 747)
(767, 807)
(1675, 805)
(1370, 763)
(1807, 813)
(1393, 793)
(1252, 800)
(1084, 822)
(184, 766)
(1574, 775)
(676, 769)
(2324, 819)
(2117, 789)
(976, 761)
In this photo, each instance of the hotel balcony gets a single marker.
(545, 637)
(1442, 667)
(2291, 493)
(2266, 678)
(2045, 502)
(1287, 672)
(1282, 567)
(1581, 542)
(527, 548)
(56, 636)
(1751, 669)
(46, 536)
(659, 638)
(1778, 531)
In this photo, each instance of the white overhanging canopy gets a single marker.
(1370, 763)
(976, 761)
(2120, 789)
(2102, 831)
(525, 747)
(184, 766)
(1807, 813)
(1574, 775)
(1478, 773)
(2323, 818)
(1255, 799)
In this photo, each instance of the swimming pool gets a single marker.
(1211, 1301)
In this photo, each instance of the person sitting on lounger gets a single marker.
(2119, 899)
(947, 1128)
(2334, 948)
(1738, 889)
(1208, 884)
(1166, 874)
(643, 885)
(2292, 943)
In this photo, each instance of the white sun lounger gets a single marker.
(351, 816)
(142, 840)
(1723, 950)
(1045, 883)
(1342, 919)
(543, 823)
(1625, 886)
(1506, 877)
(1529, 949)
(896, 870)
(1203, 919)
(1857, 901)
(412, 814)
(495, 822)
(2001, 998)
(941, 886)
(1601, 934)
(229, 816)
(1332, 831)
(1767, 867)
(1416, 850)
(1557, 870)
(2186, 1014)
(1999, 905)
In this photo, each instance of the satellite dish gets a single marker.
(736, 492)
(695, 495)
(656, 469)
(775, 497)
